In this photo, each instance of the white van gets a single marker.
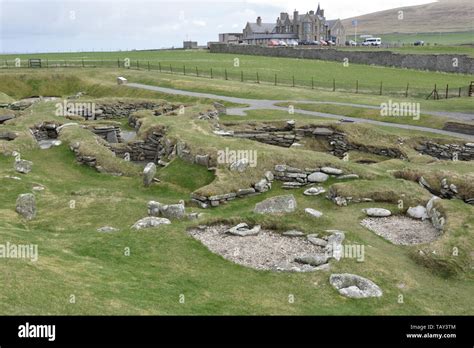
(372, 41)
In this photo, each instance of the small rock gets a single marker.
(269, 176)
(23, 166)
(262, 186)
(418, 212)
(354, 286)
(314, 191)
(242, 230)
(107, 229)
(313, 259)
(313, 212)
(150, 221)
(12, 177)
(377, 212)
(173, 211)
(240, 165)
(278, 204)
(330, 170)
(430, 205)
(316, 241)
(149, 174)
(317, 177)
(280, 167)
(348, 176)
(26, 206)
(154, 208)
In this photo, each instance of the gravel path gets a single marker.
(402, 230)
(259, 104)
(266, 251)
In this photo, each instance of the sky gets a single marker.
(29, 26)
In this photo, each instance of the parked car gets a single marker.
(419, 43)
(351, 43)
(372, 41)
(273, 43)
(282, 43)
(331, 43)
(323, 43)
(292, 43)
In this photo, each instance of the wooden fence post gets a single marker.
(275, 79)
(258, 78)
(334, 85)
(211, 74)
(312, 82)
(381, 86)
(293, 80)
(197, 72)
(148, 65)
(459, 92)
(184, 69)
(447, 90)
(118, 63)
(406, 92)
(171, 69)
(159, 66)
(225, 72)
(138, 66)
(357, 86)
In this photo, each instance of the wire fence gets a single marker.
(258, 77)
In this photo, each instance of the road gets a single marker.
(264, 104)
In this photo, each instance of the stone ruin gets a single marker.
(291, 136)
(447, 152)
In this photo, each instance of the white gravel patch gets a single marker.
(402, 230)
(266, 251)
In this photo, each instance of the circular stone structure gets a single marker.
(402, 230)
(267, 250)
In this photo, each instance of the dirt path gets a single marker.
(263, 104)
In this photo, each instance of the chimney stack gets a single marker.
(259, 20)
(295, 14)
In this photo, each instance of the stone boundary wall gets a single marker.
(457, 127)
(282, 139)
(447, 151)
(432, 62)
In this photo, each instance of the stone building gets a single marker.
(311, 26)
(230, 38)
(190, 45)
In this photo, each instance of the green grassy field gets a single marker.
(324, 74)
(433, 38)
(166, 263)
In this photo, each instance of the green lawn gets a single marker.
(434, 38)
(165, 263)
(324, 74)
(423, 120)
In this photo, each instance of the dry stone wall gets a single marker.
(432, 62)
(447, 151)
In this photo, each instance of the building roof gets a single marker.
(331, 23)
(262, 28)
(271, 36)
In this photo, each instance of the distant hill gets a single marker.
(441, 16)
